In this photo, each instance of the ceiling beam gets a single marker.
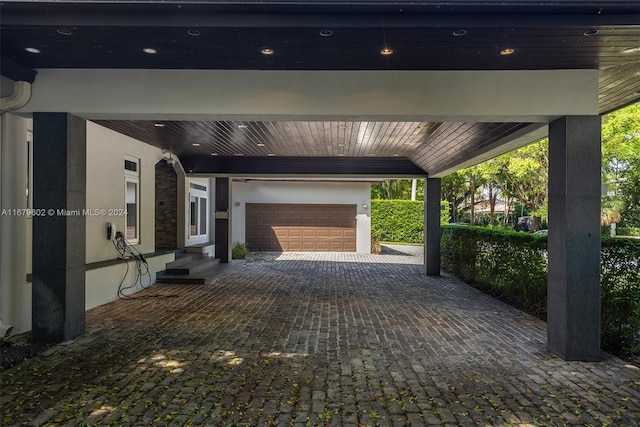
(203, 18)
(15, 71)
(301, 166)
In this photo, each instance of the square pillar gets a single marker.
(573, 289)
(432, 226)
(59, 197)
(223, 220)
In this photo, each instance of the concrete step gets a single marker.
(202, 249)
(187, 266)
(204, 277)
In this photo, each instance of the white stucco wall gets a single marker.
(105, 190)
(106, 151)
(15, 292)
(256, 191)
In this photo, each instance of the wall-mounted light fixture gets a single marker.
(170, 160)
(365, 206)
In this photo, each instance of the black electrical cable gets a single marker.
(126, 252)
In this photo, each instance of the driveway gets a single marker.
(309, 339)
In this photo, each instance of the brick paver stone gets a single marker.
(316, 339)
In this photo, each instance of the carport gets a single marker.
(364, 89)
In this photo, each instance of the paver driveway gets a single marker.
(316, 339)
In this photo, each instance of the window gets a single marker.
(198, 209)
(132, 199)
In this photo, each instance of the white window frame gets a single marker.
(132, 177)
(200, 195)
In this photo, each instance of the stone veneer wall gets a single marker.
(166, 206)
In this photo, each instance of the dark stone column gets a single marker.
(432, 226)
(573, 319)
(166, 206)
(59, 190)
(223, 220)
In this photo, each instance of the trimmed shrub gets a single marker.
(628, 231)
(620, 295)
(401, 220)
(513, 266)
(507, 264)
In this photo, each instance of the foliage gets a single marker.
(513, 266)
(628, 231)
(620, 137)
(521, 175)
(238, 251)
(507, 264)
(630, 194)
(453, 188)
(620, 295)
(621, 161)
(397, 189)
(401, 220)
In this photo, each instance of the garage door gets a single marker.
(293, 227)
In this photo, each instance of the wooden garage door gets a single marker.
(293, 227)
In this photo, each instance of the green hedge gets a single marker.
(513, 266)
(401, 220)
(628, 231)
(620, 294)
(509, 265)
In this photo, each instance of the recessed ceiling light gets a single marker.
(195, 144)
(270, 154)
(459, 33)
(149, 50)
(261, 145)
(238, 154)
(326, 33)
(340, 145)
(267, 51)
(214, 154)
(64, 31)
(342, 126)
(591, 33)
(159, 125)
(633, 49)
(386, 51)
(507, 52)
(242, 126)
(340, 155)
(194, 33)
(32, 50)
(396, 155)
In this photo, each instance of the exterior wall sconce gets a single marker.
(365, 206)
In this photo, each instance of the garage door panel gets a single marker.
(309, 233)
(301, 227)
(322, 246)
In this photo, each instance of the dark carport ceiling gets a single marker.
(329, 35)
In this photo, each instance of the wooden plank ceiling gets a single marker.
(328, 35)
(429, 145)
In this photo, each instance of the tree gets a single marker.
(525, 176)
(474, 178)
(621, 165)
(396, 189)
(453, 188)
(490, 171)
